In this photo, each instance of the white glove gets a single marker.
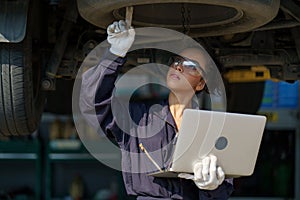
(120, 37)
(207, 175)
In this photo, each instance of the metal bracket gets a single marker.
(60, 46)
(129, 13)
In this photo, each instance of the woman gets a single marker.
(157, 128)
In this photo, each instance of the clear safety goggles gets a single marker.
(185, 65)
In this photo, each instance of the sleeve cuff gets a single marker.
(110, 56)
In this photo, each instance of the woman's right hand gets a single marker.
(207, 175)
(121, 37)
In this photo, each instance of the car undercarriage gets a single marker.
(43, 43)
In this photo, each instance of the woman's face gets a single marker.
(182, 77)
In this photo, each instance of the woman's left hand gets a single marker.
(207, 175)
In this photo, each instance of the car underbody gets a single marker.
(43, 44)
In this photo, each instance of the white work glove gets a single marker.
(207, 175)
(120, 37)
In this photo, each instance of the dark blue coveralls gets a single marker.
(103, 77)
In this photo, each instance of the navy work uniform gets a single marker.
(103, 77)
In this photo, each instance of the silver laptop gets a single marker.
(234, 138)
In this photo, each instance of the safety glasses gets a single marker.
(186, 65)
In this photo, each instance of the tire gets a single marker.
(21, 97)
(21, 102)
(210, 18)
(245, 97)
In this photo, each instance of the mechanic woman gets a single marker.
(184, 79)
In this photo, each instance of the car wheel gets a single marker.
(21, 97)
(245, 97)
(21, 101)
(204, 18)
